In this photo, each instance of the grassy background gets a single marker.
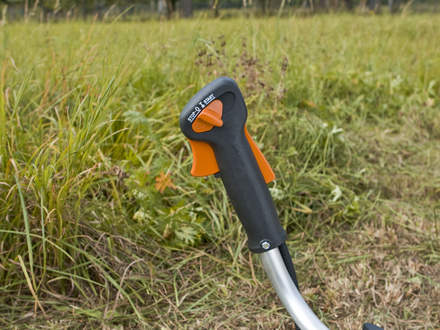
(102, 225)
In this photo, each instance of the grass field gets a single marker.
(102, 225)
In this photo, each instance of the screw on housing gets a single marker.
(265, 245)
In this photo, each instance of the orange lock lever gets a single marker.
(204, 161)
(211, 116)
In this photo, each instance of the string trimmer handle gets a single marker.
(214, 121)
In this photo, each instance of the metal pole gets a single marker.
(290, 297)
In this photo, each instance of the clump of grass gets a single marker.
(101, 224)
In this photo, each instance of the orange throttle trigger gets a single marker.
(204, 162)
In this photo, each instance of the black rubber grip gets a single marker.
(239, 170)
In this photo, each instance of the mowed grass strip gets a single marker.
(103, 226)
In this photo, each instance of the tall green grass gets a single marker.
(101, 223)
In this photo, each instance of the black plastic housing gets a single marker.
(239, 170)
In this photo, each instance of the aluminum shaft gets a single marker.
(290, 297)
